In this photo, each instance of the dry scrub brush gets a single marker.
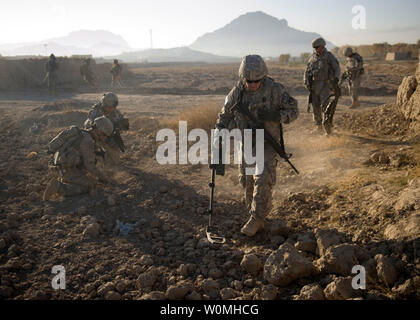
(203, 116)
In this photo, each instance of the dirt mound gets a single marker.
(382, 121)
(408, 99)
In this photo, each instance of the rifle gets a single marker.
(116, 139)
(344, 77)
(120, 125)
(309, 82)
(268, 137)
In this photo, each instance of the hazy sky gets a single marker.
(180, 22)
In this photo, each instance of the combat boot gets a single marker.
(328, 128)
(318, 129)
(53, 188)
(355, 104)
(252, 227)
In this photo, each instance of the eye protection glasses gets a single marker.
(253, 81)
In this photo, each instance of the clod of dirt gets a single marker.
(395, 159)
(92, 231)
(105, 288)
(112, 295)
(311, 292)
(193, 296)
(339, 259)
(147, 279)
(228, 293)
(340, 289)
(286, 265)
(154, 295)
(215, 273)
(409, 198)
(328, 237)
(387, 272)
(306, 242)
(177, 292)
(406, 228)
(211, 288)
(269, 292)
(251, 264)
(122, 286)
(146, 260)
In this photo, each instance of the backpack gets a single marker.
(64, 147)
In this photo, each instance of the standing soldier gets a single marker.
(74, 157)
(86, 72)
(353, 74)
(322, 76)
(108, 107)
(116, 74)
(270, 103)
(51, 67)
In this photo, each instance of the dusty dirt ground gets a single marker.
(363, 182)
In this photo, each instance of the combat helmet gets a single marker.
(110, 99)
(252, 68)
(104, 125)
(348, 52)
(318, 42)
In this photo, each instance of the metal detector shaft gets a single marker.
(211, 232)
(213, 174)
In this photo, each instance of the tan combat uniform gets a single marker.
(74, 180)
(272, 95)
(51, 68)
(112, 152)
(87, 74)
(319, 71)
(354, 70)
(116, 75)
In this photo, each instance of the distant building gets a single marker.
(394, 56)
(82, 56)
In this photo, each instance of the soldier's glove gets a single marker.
(269, 115)
(217, 153)
(336, 88)
(124, 124)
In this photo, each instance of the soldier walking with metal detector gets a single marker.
(258, 102)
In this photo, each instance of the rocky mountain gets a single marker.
(259, 33)
(96, 43)
(180, 54)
